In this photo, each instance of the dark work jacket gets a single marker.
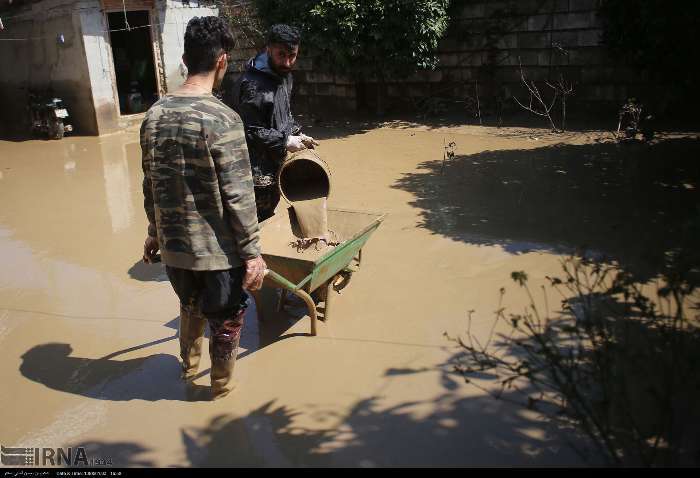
(261, 97)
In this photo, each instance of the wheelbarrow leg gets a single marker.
(257, 297)
(280, 302)
(328, 293)
(310, 306)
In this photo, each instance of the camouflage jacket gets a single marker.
(197, 186)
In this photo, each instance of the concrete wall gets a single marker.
(41, 62)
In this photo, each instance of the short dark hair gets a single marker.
(205, 39)
(284, 34)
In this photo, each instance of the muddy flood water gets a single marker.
(88, 332)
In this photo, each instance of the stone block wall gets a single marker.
(489, 41)
(486, 43)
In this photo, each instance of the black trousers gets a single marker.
(266, 200)
(221, 300)
(219, 294)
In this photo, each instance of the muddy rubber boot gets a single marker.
(191, 338)
(223, 350)
(222, 382)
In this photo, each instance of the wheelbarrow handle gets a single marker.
(280, 280)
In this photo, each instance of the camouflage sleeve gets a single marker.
(230, 155)
(147, 191)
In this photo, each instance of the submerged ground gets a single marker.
(88, 332)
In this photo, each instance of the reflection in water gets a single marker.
(20, 269)
(117, 184)
(67, 199)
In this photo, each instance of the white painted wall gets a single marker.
(96, 43)
(173, 17)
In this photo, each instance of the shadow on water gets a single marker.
(455, 431)
(151, 378)
(148, 272)
(633, 391)
(121, 454)
(625, 201)
(450, 429)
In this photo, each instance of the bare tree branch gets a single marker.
(541, 109)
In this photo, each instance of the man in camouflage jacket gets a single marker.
(199, 200)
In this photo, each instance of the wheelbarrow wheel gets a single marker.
(332, 288)
(342, 280)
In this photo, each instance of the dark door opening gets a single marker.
(133, 61)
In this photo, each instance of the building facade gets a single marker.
(107, 59)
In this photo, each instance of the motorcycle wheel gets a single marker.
(57, 130)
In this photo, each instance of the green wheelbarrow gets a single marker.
(327, 269)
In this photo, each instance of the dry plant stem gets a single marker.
(478, 104)
(448, 153)
(543, 110)
(564, 90)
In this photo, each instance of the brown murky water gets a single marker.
(89, 353)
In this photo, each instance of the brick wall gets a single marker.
(486, 41)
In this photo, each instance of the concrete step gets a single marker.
(130, 121)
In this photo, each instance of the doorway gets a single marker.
(132, 50)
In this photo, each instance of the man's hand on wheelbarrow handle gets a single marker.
(254, 273)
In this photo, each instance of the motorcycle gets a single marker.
(49, 116)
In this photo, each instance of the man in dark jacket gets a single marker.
(262, 98)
